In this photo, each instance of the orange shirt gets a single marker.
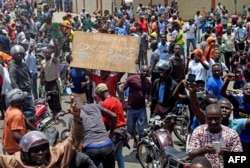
(6, 57)
(14, 120)
(211, 54)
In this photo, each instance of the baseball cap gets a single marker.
(101, 87)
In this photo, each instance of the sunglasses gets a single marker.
(39, 148)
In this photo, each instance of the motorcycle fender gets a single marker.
(164, 138)
(145, 140)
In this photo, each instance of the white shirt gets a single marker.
(228, 40)
(6, 87)
(197, 20)
(191, 31)
(240, 33)
(197, 69)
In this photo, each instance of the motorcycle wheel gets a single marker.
(181, 132)
(145, 153)
(181, 126)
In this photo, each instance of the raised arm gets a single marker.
(223, 90)
(178, 90)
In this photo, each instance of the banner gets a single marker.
(105, 51)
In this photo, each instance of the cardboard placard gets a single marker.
(105, 51)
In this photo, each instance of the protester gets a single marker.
(120, 137)
(190, 30)
(205, 137)
(20, 78)
(95, 139)
(162, 90)
(240, 107)
(15, 124)
(139, 89)
(49, 79)
(35, 150)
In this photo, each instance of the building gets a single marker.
(188, 8)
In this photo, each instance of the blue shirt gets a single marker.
(238, 125)
(241, 110)
(161, 93)
(162, 27)
(121, 30)
(214, 85)
(77, 76)
(30, 61)
(161, 48)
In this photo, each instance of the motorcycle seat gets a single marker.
(171, 151)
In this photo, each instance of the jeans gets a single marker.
(118, 154)
(104, 155)
(34, 86)
(188, 44)
(80, 160)
(228, 56)
(198, 35)
(137, 119)
(29, 108)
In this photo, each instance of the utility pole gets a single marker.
(235, 7)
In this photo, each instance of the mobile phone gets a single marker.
(200, 94)
(191, 79)
(217, 146)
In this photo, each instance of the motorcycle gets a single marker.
(149, 148)
(154, 147)
(47, 126)
(181, 121)
(172, 158)
(41, 108)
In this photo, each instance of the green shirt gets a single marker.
(54, 30)
(222, 48)
(89, 23)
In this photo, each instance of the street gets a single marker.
(129, 155)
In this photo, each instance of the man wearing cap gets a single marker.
(209, 50)
(198, 65)
(113, 104)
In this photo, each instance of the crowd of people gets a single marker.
(219, 54)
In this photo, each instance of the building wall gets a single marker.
(188, 8)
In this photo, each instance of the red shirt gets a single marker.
(137, 91)
(114, 105)
(143, 25)
(111, 82)
(219, 30)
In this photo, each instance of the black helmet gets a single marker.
(17, 49)
(30, 140)
(16, 97)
